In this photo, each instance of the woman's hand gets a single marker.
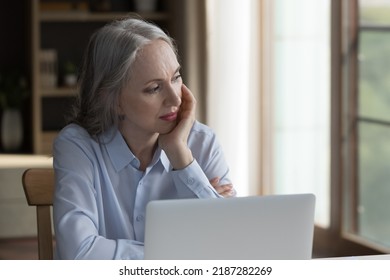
(174, 143)
(226, 190)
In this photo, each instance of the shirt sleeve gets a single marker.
(209, 162)
(194, 179)
(75, 208)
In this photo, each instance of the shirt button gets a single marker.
(190, 180)
(139, 218)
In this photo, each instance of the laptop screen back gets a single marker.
(256, 227)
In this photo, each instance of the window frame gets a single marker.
(336, 240)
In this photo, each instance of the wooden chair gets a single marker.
(38, 185)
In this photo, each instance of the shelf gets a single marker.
(24, 161)
(58, 92)
(54, 16)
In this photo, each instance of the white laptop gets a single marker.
(255, 227)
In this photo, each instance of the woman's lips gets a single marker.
(169, 117)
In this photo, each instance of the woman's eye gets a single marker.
(153, 89)
(177, 78)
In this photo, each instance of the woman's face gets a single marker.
(151, 100)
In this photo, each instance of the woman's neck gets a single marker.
(145, 155)
(142, 147)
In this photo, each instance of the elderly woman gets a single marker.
(133, 138)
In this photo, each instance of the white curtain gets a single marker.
(300, 93)
(233, 95)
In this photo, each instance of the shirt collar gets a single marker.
(121, 155)
(165, 161)
(117, 149)
(159, 155)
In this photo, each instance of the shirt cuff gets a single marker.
(129, 250)
(193, 178)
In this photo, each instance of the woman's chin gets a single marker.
(168, 128)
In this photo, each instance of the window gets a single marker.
(329, 97)
(299, 94)
(367, 127)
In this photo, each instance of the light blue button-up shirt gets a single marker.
(101, 195)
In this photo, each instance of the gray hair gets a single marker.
(106, 68)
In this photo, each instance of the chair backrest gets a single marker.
(38, 185)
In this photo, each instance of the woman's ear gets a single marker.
(120, 111)
(121, 114)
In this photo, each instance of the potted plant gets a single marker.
(13, 91)
(70, 74)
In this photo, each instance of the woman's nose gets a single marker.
(173, 96)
